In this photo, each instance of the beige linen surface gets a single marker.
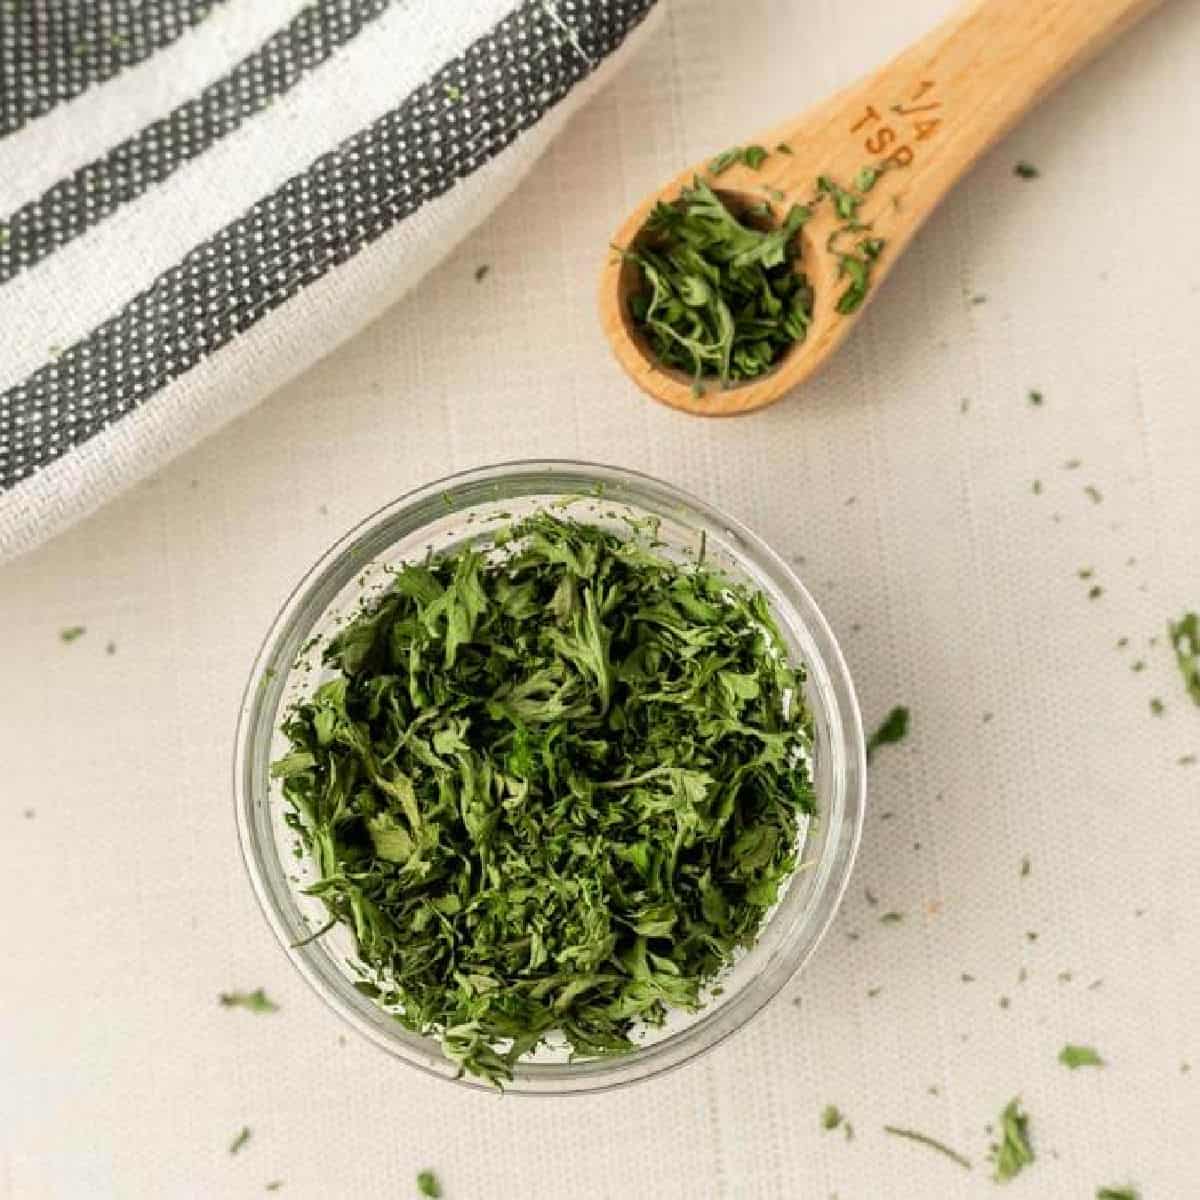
(902, 485)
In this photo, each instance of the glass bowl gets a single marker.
(438, 518)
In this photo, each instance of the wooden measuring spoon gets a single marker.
(928, 114)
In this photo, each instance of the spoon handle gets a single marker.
(942, 102)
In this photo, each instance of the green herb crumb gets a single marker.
(1025, 170)
(1185, 638)
(1157, 707)
(893, 729)
(1036, 398)
(831, 1118)
(1013, 1152)
(243, 1136)
(754, 156)
(256, 1001)
(481, 272)
(428, 1185)
(72, 633)
(1118, 1193)
(1093, 493)
(1075, 1057)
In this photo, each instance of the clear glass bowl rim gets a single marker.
(301, 610)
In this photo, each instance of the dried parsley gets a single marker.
(1118, 1193)
(1185, 638)
(1013, 1153)
(243, 1136)
(831, 1117)
(256, 1001)
(1036, 399)
(894, 729)
(72, 633)
(1075, 1057)
(752, 156)
(428, 1185)
(925, 1140)
(554, 785)
(718, 298)
(1024, 170)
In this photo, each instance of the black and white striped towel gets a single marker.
(199, 198)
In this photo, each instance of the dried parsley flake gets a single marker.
(1013, 1153)
(256, 1001)
(1185, 638)
(1075, 1057)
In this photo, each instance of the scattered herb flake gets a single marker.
(428, 1185)
(1095, 592)
(453, 92)
(1036, 398)
(865, 180)
(1073, 464)
(925, 1140)
(1085, 572)
(831, 1118)
(1157, 707)
(1138, 666)
(1013, 1153)
(1025, 170)
(481, 272)
(274, 1185)
(723, 161)
(256, 1001)
(891, 918)
(783, 148)
(893, 729)
(72, 633)
(1075, 1057)
(1185, 638)
(753, 157)
(1093, 493)
(551, 788)
(1118, 1193)
(240, 1140)
(1026, 866)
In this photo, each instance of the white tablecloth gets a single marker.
(901, 483)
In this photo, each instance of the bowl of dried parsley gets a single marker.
(549, 776)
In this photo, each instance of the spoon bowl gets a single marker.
(922, 119)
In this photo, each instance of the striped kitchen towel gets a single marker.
(199, 198)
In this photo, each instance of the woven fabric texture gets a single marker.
(113, 327)
(901, 484)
